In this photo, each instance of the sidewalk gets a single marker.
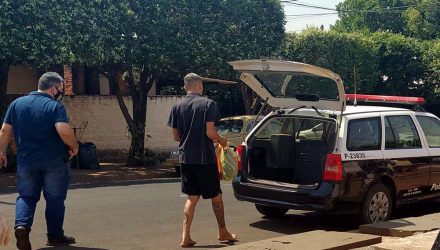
(417, 241)
(109, 173)
(408, 234)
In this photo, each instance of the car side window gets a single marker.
(309, 129)
(431, 128)
(274, 126)
(364, 134)
(401, 133)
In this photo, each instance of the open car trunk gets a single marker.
(290, 150)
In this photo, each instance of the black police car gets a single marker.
(329, 156)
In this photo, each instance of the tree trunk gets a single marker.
(136, 125)
(4, 71)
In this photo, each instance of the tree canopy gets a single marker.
(415, 18)
(352, 56)
(379, 63)
(143, 40)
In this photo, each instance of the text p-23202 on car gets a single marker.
(329, 156)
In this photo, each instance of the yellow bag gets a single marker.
(227, 161)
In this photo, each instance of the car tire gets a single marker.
(377, 205)
(271, 212)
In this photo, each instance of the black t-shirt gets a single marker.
(190, 116)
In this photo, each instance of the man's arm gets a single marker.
(4, 230)
(68, 137)
(12, 144)
(213, 135)
(176, 134)
(6, 134)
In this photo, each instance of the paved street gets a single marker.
(149, 216)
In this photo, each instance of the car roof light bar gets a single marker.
(385, 99)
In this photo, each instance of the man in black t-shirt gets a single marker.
(192, 120)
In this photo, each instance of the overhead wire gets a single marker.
(395, 9)
(307, 17)
(311, 14)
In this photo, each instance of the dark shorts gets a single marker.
(201, 180)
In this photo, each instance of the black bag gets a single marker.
(87, 157)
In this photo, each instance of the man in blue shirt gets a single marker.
(39, 126)
(192, 120)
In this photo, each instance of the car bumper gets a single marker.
(320, 199)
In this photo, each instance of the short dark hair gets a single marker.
(48, 80)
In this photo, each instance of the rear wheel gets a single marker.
(377, 205)
(271, 211)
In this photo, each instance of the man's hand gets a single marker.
(213, 135)
(4, 230)
(73, 152)
(3, 160)
(68, 137)
(223, 141)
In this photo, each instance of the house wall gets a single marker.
(22, 79)
(107, 127)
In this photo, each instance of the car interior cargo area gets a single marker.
(291, 149)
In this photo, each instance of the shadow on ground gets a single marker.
(107, 175)
(306, 221)
(302, 221)
(417, 209)
(71, 248)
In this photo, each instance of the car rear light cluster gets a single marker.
(239, 152)
(333, 168)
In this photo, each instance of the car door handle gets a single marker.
(391, 162)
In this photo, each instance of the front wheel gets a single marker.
(377, 205)
(271, 212)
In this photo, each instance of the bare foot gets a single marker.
(227, 237)
(187, 243)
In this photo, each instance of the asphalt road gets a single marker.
(149, 216)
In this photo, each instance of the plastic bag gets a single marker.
(227, 162)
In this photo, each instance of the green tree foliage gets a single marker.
(10, 50)
(415, 18)
(145, 40)
(174, 37)
(431, 58)
(353, 56)
(379, 63)
(30, 33)
(401, 67)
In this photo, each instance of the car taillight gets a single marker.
(239, 152)
(333, 168)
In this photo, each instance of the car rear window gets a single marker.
(364, 134)
(292, 84)
(298, 127)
